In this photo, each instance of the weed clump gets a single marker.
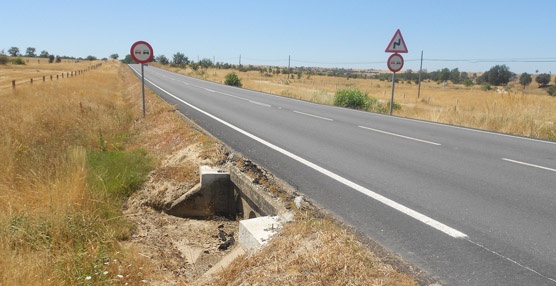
(233, 80)
(351, 98)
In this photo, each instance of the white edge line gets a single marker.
(402, 136)
(416, 215)
(530, 165)
(315, 116)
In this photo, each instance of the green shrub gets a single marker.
(233, 80)
(468, 82)
(18, 61)
(485, 86)
(3, 59)
(552, 90)
(352, 98)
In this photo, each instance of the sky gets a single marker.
(471, 35)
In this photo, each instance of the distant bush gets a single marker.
(18, 61)
(3, 59)
(485, 86)
(552, 90)
(543, 79)
(352, 98)
(233, 80)
(395, 106)
(468, 82)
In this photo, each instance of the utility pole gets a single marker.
(239, 60)
(420, 71)
(289, 70)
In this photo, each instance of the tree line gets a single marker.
(31, 52)
(498, 75)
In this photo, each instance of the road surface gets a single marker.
(468, 206)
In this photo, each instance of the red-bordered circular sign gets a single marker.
(142, 52)
(395, 63)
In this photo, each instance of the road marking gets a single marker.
(399, 207)
(259, 103)
(511, 260)
(315, 116)
(530, 165)
(402, 136)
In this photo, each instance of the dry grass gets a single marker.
(54, 229)
(526, 112)
(313, 251)
(36, 68)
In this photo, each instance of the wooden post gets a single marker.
(13, 84)
(31, 81)
(56, 76)
(43, 78)
(50, 77)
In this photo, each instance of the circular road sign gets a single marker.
(395, 62)
(142, 52)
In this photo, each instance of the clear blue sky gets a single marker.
(315, 33)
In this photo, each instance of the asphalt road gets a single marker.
(468, 206)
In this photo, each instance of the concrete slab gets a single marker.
(255, 233)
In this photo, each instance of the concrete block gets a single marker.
(213, 196)
(255, 233)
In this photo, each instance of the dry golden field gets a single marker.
(512, 109)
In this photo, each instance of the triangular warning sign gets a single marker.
(397, 44)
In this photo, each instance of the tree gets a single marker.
(3, 59)
(525, 79)
(162, 59)
(497, 75)
(91, 58)
(58, 59)
(128, 60)
(233, 80)
(14, 51)
(444, 74)
(543, 79)
(180, 59)
(44, 54)
(51, 59)
(30, 52)
(114, 56)
(455, 76)
(205, 63)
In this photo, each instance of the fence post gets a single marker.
(31, 81)
(56, 76)
(43, 78)
(50, 77)
(13, 84)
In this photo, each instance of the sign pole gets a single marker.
(392, 99)
(143, 87)
(142, 53)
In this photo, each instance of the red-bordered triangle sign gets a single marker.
(397, 44)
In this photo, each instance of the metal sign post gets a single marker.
(395, 61)
(143, 87)
(142, 52)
